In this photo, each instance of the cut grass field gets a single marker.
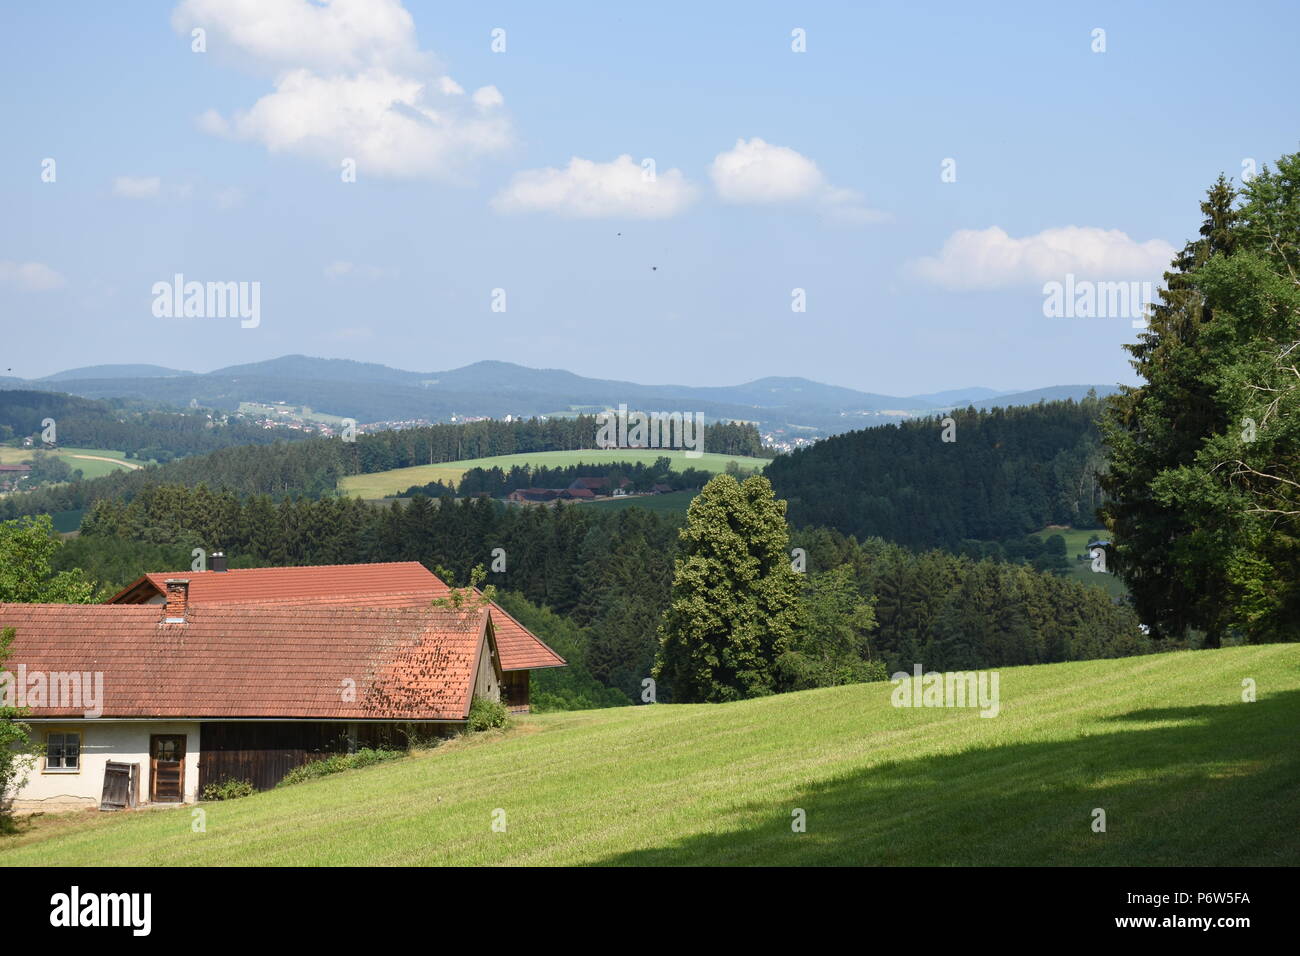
(674, 502)
(1186, 772)
(383, 483)
(93, 462)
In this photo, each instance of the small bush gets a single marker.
(337, 763)
(228, 790)
(485, 714)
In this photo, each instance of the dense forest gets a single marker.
(497, 482)
(608, 575)
(313, 466)
(139, 432)
(988, 475)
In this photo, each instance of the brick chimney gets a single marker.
(178, 599)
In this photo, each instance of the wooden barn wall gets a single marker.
(262, 753)
(514, 691)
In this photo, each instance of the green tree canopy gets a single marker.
(27, 575)
(1205, 455)
(735, 598)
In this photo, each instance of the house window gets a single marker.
(63, 752)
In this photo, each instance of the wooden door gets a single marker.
(167, 768)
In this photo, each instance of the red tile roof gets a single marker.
(389, 584)
(297, 582)
(230, 661)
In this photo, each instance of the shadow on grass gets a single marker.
(1211, 785)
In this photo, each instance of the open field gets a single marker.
(1186, 772)
(674, 502)
(1076, 542)
(93, 462)
(383, 483)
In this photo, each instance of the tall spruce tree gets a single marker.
(1204, 455)
(1161, 425)
(735, 598)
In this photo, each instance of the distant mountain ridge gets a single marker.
(370, 392)
(113, 371)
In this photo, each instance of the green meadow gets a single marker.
(673, 502)
(383, 483)
(91, 461)
(1186, 772)
(1076, 543)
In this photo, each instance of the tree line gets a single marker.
(312, 467)
(986, 475)
(497, 482)
(609, 577)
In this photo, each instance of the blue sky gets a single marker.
(774, 171)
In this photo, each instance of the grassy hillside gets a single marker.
(1186, 772)
(93, 462)
(383, 483)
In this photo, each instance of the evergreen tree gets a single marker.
(1205, 455)
(735, 598)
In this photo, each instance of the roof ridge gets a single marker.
(300, 567)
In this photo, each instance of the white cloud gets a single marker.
(338, 36)
(990, 259)
(387, 122)
(759, 172)
(350, 83)
(32, 276)
(137, 187)
(486, 97)
(589, 190)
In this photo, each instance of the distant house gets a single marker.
(660, 489)
(578, 494)
(595, 485)
(534, 495)
(10, 475)
(599, 486)
(207, 676)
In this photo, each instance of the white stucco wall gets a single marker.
(102, 741)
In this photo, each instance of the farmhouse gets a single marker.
(533, 495)
(597, 486)
(208, 676)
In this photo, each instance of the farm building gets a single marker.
(197, 678)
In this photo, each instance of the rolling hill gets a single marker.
(370, 392)
(380, 484)
(1186, 772)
